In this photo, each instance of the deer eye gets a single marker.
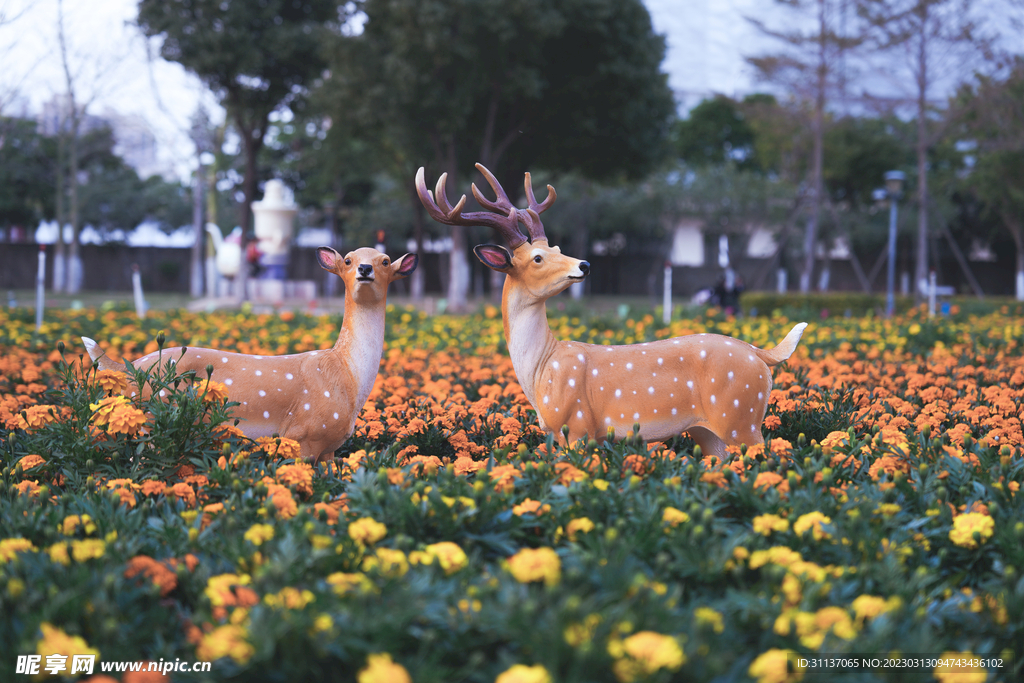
(348, 262)
(386, 262)
(537, 259)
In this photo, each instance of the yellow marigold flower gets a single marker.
(10, 547)
(673, 517)
(56, 642)
(646, 652)
(580, 525)
(713, 618)
(367, 531)
(838, 620)
(773, 666)
(259, 534)
(955, 667)
(323, 623)
(887, 509)
(380, 668)
(580, 633)
(871, 606)
(967, 524)
(343, 582)
(72, 522)
(779, 554)
(449, 555)
(520, 673)
(88, 549)
(766, 524)
(58, 553)
(225, 641)
(289, 598)
(391, 563)
(218, 588)
(600, 484)
(536, 564)
(812, 522)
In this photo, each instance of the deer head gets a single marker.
(366, 272)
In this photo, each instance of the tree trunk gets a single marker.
(416, 279)
(74, 264)
(458, 266)
(196, 276)
(60, 249)
(252, 139)
(817, 129)
(921, 252)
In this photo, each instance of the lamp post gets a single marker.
(893, 190)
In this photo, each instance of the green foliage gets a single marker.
(27, 174)
(715, 132)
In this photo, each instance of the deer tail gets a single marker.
(99, 358)
(785, 348)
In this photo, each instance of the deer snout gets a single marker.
(585, 268)
(365, 271)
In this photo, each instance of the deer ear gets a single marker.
(494, 256)
(404, 265)
(328, 258)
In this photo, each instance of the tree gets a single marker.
(570, 85)
(811, 66)
(715, 132)
(256, 57)
(26, 174)
(935, 39)
(990, 112)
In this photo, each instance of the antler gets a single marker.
(501, 214)
(531, 216)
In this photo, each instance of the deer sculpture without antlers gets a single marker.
(713, 387)
(311, 397)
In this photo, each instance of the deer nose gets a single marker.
(365, 270)
(585, 268)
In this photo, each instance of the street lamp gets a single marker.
(893, 190)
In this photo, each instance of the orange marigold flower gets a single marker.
(465, 465)
(30, 461)
(300, 474)
(112, 381)
(568, 473)
(125, 419)
(28, 487)
(530, 507)
(184, 492)
(280, 447)
(211, 391)
(772, 422)
(282, 500)
(157, 572)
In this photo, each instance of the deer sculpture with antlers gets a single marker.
(311, 397)
(713, 387)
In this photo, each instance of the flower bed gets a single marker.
(452, 540)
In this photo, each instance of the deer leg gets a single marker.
(708, 441)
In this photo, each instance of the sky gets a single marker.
(707, 41)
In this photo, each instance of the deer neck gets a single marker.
(361, 343)
(529, 339)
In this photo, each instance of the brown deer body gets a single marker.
(311, 397)
(716, 388)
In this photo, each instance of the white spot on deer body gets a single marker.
(572, 382)
(266, 414)
(713, 399)
(306, 406)
(618, 392)
(753, 428)
(554, 364)
(245, 403)
(335, 416)
(629, 366)
(712, 380)
(671, 395)
(607, 420)
(751, 357)
(760, 395)
(229, 381)
(730, 374)
(579, 357)
(746, 386)
(674, 411)
(327, 394)
(730, 354)
(259, 373)
(736, 403)
(305, 391)
(655, 410)
(579, 413)
(325, 426)
(734, 433)
(689, 383)
(675, 341)
(261, 357)
(262, 393)
(703, 353)
(546, 399)
(643, 353)
(288, 375)
(594, 372)
(224, 359)
(622, 415)
(661, 361)
(574, 367)
(312, 353)
(556, 410)
(650, 390)
(636, 416)
(728, 343)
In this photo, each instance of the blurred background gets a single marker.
(729, 145)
